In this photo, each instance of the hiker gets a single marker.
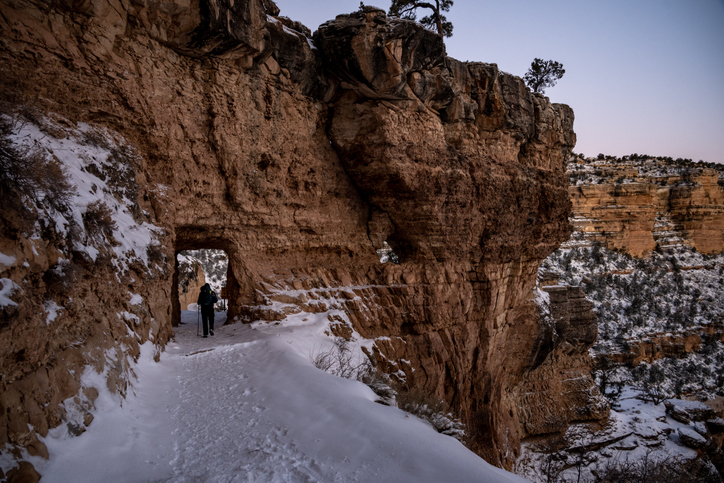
(207, 299)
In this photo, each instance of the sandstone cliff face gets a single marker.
(300, 159)
(556, 390)
(630, 208)
(191, 279)
(658, 346)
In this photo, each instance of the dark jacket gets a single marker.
(207, 296)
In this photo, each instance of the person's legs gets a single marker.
(211, 320)
(205, 320)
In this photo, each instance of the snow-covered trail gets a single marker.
(246, 406)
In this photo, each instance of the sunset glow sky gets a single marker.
(644, 76)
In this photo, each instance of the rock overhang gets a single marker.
(300, 158)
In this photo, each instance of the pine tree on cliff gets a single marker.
(436, 21)
(543, 74)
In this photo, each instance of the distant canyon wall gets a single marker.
(639, 212)
(191, 279)
(661, 345)
(300, 157)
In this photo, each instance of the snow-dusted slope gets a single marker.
(100, 202)
(582, 170)
(668, 295)
(637, 434)
(672, 293)
(247, 405)
(214, 263)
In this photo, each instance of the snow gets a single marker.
(129, 317)
(541, 298)
(135, 299)
(635, 430)
(213, 262)
(87, 152)
(53, 311)
(635, 170)
(692, 434)
(689, 405)
(674, 291)
(247, 405)
(6, 260)
(127, 443)
(8, 287)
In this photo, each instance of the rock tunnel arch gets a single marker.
(200, 238)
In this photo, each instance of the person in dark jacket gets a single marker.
(207, 299)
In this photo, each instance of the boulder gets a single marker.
(25, 472)
(679, 415)
(691, 438)
(628, 444)
(375, 55)
(685, 411)
(715, 426)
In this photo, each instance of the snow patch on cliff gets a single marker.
(100, 166)
(8, 287)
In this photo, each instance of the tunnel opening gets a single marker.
(199, 267)
(201, 259)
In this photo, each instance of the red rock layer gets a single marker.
(637, 216)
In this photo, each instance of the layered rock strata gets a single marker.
(636, 213)
(191, 279)
(300, 157)
(555, 390)
(661, 345)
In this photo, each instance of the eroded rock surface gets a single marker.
(191, 279)
(660, 345)
(636, 212)
(556, 388)
(300, 159)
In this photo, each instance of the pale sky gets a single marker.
(643, 76)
